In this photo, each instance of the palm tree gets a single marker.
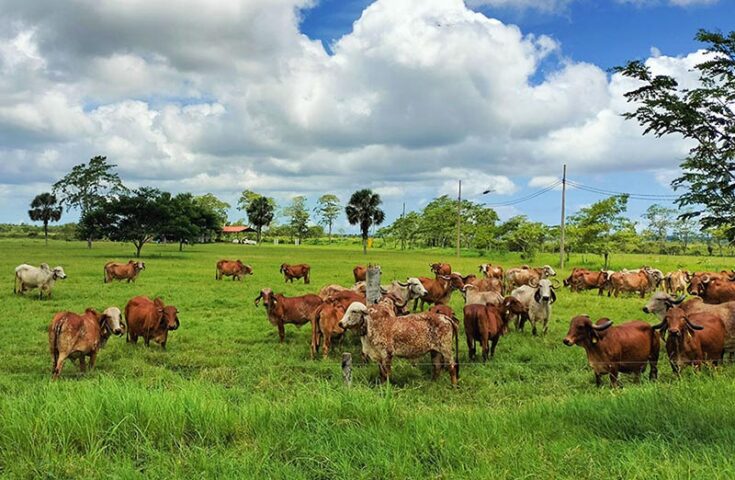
(44, 209)
(363, 209)
(260, 213)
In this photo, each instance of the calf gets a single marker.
(232, 268)
(80, 336)
(626, 348)
(440, 269)
(150, 319)
(28, 277)
(483, 323)
(537, 301)
(294, 310)
(122, 271)
(291, 272)
(325, 327)
(384, 336)
(692, 338)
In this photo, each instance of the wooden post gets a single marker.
(372, 284)
(563, 220)
(459, 216)
(347, 368)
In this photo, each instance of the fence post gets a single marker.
(372, 284)
(347, 368)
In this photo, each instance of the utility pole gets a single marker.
(459, 215)
(403, 236)
(563, 205)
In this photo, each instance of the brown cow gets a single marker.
(486, 284)
(440, 269)
(79, 336)
(525, 275)
(445, 310)
(483, 323)
(123, 271)
(692, 338)
(438, 290)
(290, 272)
(696, 284)
(631, 281)
(345, 298)
(714, 291)
(626, 348)
(385, 336)
(294, 310)
(515, 311)
(150, 319)
(492, 271)
(360, 273)
(232, 268)
(325, 327)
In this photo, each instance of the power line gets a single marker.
(635, 196)
(527, 197)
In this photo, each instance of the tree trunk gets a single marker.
(181, 246)
(606, 257)
(364, 244)
(89, 242)
(330, 232)
(45, 231)
(257, 234)
(138, 247)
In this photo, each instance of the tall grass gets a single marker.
(226, 400)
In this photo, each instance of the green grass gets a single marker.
(227, 401)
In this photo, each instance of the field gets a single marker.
(227, 401)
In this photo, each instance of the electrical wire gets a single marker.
(527, 197)
(635, 196)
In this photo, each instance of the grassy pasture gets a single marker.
(226, 400)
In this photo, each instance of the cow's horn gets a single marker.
(604, 326)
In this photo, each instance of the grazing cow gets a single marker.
(232, 268)
(406, 291)
(79, 336)
(28, 277)
(537, 300)
(385, 336)
(290, 272)
(641, 281)
(492, 271)
(326, 327)
(122, 271)
(294, 310)
(360, 273)
(692, 338)
(150, 319)
(525, 275)
(675, 283)
(697, 280)
(441, 269)
(626, 348)
(484, 324)
(439, 290)
(583, 279)
(472, 296)
(661, 302)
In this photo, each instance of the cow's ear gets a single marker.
(553, 296)
(159, 304)
(537, 295)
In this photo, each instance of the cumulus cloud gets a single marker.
(221, 96)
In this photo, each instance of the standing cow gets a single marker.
(537, 301)
(232, 268)
(290, 272)
(692, 339)
(150, 319)
(123, 271)
(294, 310)
(28, 277)
(79, 336)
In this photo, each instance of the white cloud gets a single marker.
(542, 181)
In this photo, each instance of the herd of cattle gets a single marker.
(696, 331)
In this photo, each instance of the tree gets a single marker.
(299, 216)
(521, 235)
(44, 209)
(601, 227)
(260, 212)
(684, 228)
(210, 202)
(137, 217)
(705, 115)
(188, 220)
(660, 219)
(364, 210)
(86, 186)
(327, 209)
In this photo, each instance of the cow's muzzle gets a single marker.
(645, 310)
(568, 342)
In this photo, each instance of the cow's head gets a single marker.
(354, 317)
(455, 281)
(267, 295)
(58, 273)
(544, 292)
(416, 289)
(484, 268)
(139, 266)
(246, 269)
(548, 271)
(435, 267)
(112, 318)
(170, 318)
(698, 284)
(511, 305)
(583, 332)
(677, 324)
(660, 302)
(283, 267)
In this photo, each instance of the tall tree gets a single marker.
(188, 220)
(215, 205)
(364, 210)
(684, 228)
(44, 209)
(327, 209)
(518, 234)
(87, 185)
(299, 217)
(260, 212)
(601, 227)
(660, 219)
(706, 115)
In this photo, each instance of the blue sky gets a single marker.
(402, 96)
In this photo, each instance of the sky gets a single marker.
(305, 97)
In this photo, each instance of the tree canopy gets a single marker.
(299, 217)
(260, 212)
(364, 210)
(327, 210)
(44, 209)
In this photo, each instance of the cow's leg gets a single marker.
(436, 360)
(452, 371)
(637, 376)
(653, 369)
(281, 333)
(163, 345)
(82, 364)
(598, 379)
(485, 347)
(614, 378)
(92, 359)
(533, 325)
(327, 343)
(546, 325)
(415, 303)
(147, 340)
(493, 344)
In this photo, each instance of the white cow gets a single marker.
(538, 301)
(410, 290)
(28, 277)
(473, 296)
